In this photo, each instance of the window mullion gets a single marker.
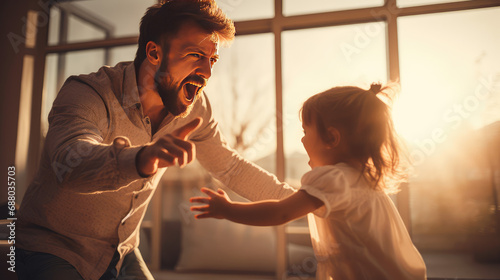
(281, 239)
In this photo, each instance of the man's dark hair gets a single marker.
(162, 21)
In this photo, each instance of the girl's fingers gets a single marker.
(208, 192)
(202, 208)
(200, 199)
(220, 191)
(203, 216)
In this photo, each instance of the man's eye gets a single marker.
(196, 55)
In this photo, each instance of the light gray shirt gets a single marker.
(88, 200)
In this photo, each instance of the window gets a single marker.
(317, 59)
(449, 113)
(242, 94)
(438, 74)
(445, 55)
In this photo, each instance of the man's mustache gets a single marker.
(161, 77)
(196, 79)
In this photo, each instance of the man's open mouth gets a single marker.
(192, 89)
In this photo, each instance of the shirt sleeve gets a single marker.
(328, 184)
(225, 164)
(74, 143)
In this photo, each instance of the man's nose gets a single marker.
(205, 69)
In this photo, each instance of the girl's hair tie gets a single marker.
(375, 88)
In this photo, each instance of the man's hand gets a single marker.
(168, 150)
(217, 204)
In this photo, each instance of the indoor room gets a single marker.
(444, 55)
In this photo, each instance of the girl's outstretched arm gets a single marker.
(259, 213)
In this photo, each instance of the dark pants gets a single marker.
(42, 266)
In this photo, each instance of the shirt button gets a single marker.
(147, 120)
(136, 196)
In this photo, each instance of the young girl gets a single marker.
(356, 230)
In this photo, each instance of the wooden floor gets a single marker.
(439, 267)
(459, 266)
(171, 275)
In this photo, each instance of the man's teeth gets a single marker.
(195, 84)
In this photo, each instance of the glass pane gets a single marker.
(242, 93)
(119, 54)
(81, 31)
(299, 7)
(83, 62)
(120, 17)
(54, 24)
(50, 90)
(449, 113)
(331, 56)
(239, 10)
(410, 3)
(124, 15)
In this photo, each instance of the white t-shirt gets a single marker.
(358, 233)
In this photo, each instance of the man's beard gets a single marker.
(170, 93)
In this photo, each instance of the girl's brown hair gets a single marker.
(365, 123)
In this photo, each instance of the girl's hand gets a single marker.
(217, 204)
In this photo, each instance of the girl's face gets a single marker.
(318, 151)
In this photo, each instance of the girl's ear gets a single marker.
(153, 53)
(334, 137)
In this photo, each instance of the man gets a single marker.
(112, 133)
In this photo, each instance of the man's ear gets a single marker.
(334, 137)
(154, 53)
